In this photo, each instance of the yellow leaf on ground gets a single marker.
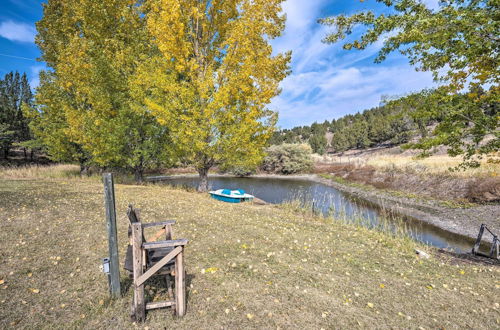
(369, 305)
(35, 290)
(249, 316)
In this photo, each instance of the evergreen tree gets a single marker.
(15, 92)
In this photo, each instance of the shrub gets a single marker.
(288, 158)
(239, 170)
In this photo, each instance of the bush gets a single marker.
(240, 170)
(288, 158)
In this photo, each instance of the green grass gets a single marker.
(268, 266)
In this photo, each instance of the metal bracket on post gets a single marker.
(114, 264)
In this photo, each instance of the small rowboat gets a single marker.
(231, 196)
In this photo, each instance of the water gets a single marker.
(331, 202)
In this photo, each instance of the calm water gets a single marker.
(331, 202)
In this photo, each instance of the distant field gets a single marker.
(248, 266)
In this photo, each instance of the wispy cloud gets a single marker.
(17, 31)
(328, 82)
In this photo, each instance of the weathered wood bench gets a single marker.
(146, 259)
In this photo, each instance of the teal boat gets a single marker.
(231, 196)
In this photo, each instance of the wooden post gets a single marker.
(180, 285)
(114, 264)
(139, 305)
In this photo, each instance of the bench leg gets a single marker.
(139, 304)
(180, 285)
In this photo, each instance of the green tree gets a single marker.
(93, 48)
(288, 158)
(458, 43)
(14, 92)
(214, 77)
(49, 124)
(318, 143)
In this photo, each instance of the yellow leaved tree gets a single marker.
(212, 78)
(92, 48)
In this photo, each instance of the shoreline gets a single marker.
(459, 221)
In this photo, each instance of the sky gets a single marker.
(326, 82)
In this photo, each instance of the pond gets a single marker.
(332, 203)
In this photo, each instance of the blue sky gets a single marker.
(326, 81)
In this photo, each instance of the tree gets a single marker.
(288, 158)
(15, 92)
(213, 78)
(93, 48)
(50, 126)
(318, 143)
(458, 43)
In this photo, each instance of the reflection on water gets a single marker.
(331, 202)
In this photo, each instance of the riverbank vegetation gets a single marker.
(427, 177)
(247, 265)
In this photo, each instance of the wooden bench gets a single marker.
(146, 259)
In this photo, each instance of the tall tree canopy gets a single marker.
(93, 48)
(459, 43)
(213, 77)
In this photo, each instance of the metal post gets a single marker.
(114, 265)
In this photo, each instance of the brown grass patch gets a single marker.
(274, 268)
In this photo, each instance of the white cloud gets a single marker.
(16, 31)
(328, 82)
(330, 94)
(34, 77)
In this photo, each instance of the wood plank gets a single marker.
(160, 304)
(139, 305)
(151, 271)
(158, 234)
(161, 223)
(169, 234)
(163, 244)
(114, 263)
(180, 286)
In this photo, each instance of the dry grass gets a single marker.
(40, 171)
(434, 165)
(269, 267)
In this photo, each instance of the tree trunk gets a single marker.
(32, 153)
(6, 153)
(25, 154)
(84, 170)
(203, 185)
(139, 174)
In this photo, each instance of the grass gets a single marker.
(40, 171)
(248, 266)
(433, 165)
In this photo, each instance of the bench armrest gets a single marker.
(161, 223)
(164, 244)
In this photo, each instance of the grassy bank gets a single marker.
(428, 177)
(248, 266)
